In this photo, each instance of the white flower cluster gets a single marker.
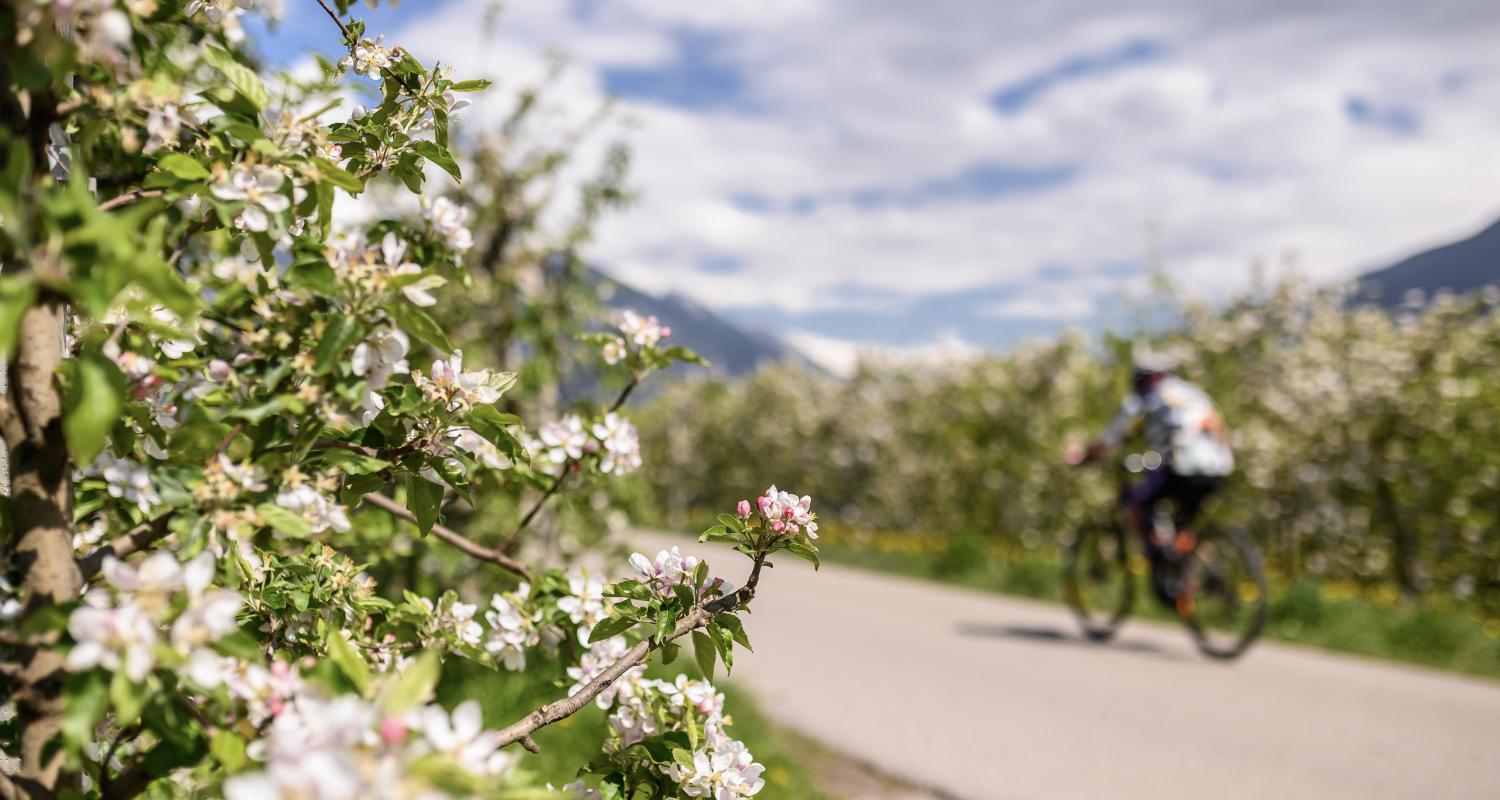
(671, 568)
(600, 657)
(458, 389)
(722, 768)
(126, 480)
(118, 628)
(586, 605)
(449, 219)
(345, 748)
(513, 629)
(226, 13)
(370, 56)
(452, 617)
(615, 440)
(321, 512)
(163, 126)
(783, 512)
(371, 269)
(259, 188)
(636, 331)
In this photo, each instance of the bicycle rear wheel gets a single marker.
(1097, 581)
(1222, 596)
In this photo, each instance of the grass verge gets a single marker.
(1302, 611)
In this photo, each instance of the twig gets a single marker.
(453, 538)
(239, 427)
(128, 198)
(522, 729)
(138, 538)
(333, 15)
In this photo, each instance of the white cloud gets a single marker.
(1234, 144)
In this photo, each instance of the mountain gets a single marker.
(1459, 267)
(730, 350)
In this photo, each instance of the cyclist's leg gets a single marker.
(1188, 493)
(1139, 503)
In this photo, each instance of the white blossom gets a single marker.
(450, 221)
(622, 445)
(259, 188)
(127, 480)
(320, 512)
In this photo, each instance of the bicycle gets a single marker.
(1212, 580)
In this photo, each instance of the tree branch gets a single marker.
(522, 729)
(136, 539)
(128, 198)
(453, 538)
(333, 15)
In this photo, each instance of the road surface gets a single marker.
(984, 697)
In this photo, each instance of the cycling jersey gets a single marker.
(1181, 423)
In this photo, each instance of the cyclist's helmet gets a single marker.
(1147, 363)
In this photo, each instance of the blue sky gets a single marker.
(896, 174)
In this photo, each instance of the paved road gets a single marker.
(983, 697)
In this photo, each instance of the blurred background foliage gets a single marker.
(1366, 444)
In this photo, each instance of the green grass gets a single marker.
(1303, 612)
(566, 745)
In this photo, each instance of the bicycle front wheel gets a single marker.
(1222, 598)
(1097, 581)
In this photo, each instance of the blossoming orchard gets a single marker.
(238, 435)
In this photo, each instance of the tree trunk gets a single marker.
(41, 512)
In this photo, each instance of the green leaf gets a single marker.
(184, 166)
(416, 322)
(438, 155)
(669, 652)
(127, 698)
(704, 653)
(470, 86)
(735, 627)
(275, 405)
(349, 661)
(285, 520)
(338, 176)
(242, 78)
(423, 500)
(614, 626)
(341, 334)
(802, 550)
(415, 685)
(229, 750)
(679, 353)
(16, 295)
(352, 463)
(85, 698)
(96, 398)
(240, 645)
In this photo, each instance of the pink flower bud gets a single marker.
(761, 503)
(218, 369)
(393, 730)
(665, 331)
(743, 509)
(778, 526)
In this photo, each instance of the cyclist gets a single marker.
(1188, 454)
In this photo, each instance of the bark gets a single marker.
(41, 512)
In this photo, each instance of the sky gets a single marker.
(961, 175)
